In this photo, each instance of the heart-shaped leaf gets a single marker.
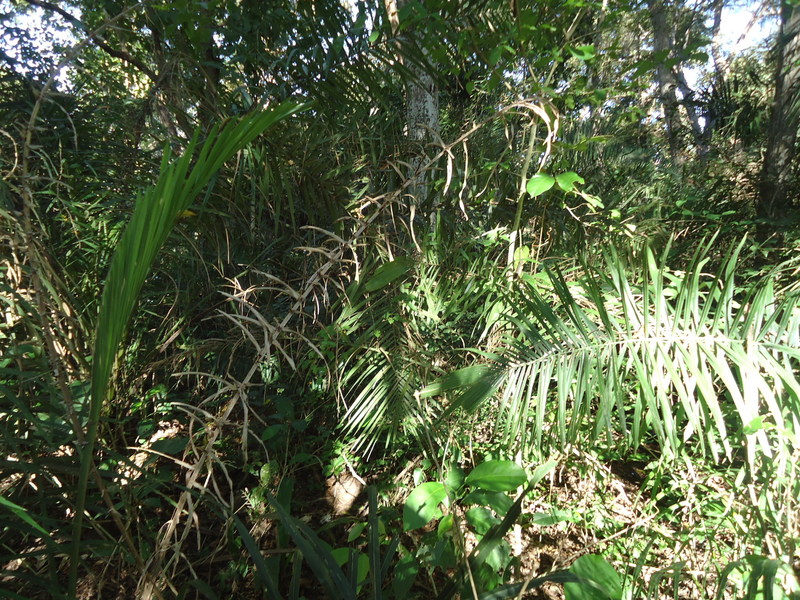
(539, 184)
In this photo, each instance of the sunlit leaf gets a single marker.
(422, 505)
(387, 273)
(566, 181)
(497, 476)
(602, 581)
(585, 52)
(539, 184)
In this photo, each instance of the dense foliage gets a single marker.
(412, 299)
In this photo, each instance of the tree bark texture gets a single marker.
(716, 52)
(690, 106)
(670, 37)
(422, 97)
(774, 202)
(665, 77)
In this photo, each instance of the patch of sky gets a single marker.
(744, 27)
(34, 40)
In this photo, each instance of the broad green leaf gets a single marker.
(342, 558)
(422, 505)
(495, 54)
(522, 254)
(497, 501)
(486, 577)
(582, 52)
(388, 272)
(483, 389)
(405, 572)
(542, 471)
(418, 476)
(602, 581)
(497, 476)
(456, 380)
(512, 591)
(481, 519)
(454, 478)
(756, 425)
(499, 557)
(174, 445)
(356, 531)
(445, 525)
(566, 181)
(539, 184)
(443, 553)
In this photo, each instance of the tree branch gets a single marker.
(99, 42)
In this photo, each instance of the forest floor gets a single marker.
(671, 526)
(586, 506)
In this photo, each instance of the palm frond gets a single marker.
(396, 339)
(683, 357)
(156, 212)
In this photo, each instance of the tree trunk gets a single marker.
(665, 78)
(690, 106)
(422, 100)
(774, 202)
(596, 78)
(716, 52)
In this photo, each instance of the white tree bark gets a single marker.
(665, 78)
(422, 100)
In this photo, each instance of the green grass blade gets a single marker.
(258, 560)
(316, 555)
(156, 211)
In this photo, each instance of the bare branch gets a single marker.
(99, 42)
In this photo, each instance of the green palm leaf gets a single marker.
(157, 210)
(397, 337)
(685, 357)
